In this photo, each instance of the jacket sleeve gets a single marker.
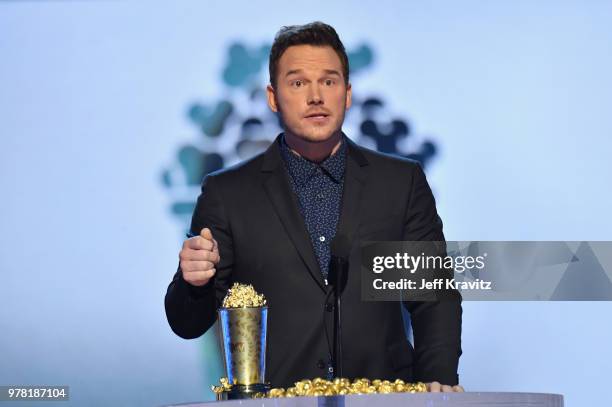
(436, 325)
(191, 310)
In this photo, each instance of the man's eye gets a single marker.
(329, 82)
(297, 83)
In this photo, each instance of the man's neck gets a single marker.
(315, 152)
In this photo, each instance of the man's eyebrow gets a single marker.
(327, 72)
(332, 72)
(293, 72)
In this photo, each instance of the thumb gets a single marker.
(206, 234)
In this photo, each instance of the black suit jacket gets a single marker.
(255, 218)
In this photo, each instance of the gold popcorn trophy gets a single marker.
(243, 321)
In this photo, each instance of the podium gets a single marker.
(479, 399)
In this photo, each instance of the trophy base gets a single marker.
(244, 391)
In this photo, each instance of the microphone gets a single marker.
(337, 278)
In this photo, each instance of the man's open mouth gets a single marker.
(317, 115)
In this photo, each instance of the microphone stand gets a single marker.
(337, 276)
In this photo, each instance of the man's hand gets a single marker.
(199, 256)
(435, 387)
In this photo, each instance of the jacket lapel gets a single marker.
(354, 181)
(276, 184)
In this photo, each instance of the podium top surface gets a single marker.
(400, 399)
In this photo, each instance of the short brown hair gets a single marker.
(315, 33)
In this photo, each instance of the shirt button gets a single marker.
(322, 238)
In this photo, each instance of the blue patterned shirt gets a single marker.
(318, 187)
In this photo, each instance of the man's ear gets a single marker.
(271, 98)
(349, 95)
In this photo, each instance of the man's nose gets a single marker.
(314, 96)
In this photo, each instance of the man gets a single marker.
(269, 222)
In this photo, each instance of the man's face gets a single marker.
(310, 95)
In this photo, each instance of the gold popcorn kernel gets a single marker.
(276, 393)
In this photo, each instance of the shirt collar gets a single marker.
(301, 170)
